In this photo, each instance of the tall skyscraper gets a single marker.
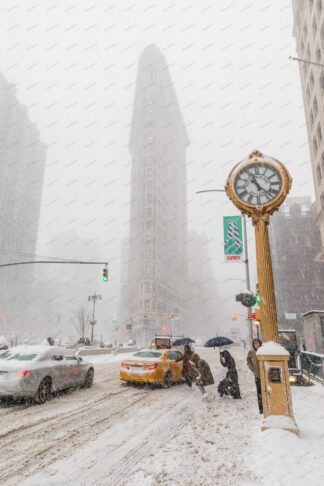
(22, 156)
(157, 262)
(309, 33)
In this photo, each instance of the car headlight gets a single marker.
(292, 379)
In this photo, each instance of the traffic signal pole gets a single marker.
(246, 260)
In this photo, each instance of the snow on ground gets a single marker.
(129, 436)
(282, 458)
(178, 439)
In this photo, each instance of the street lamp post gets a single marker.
(93, 298)
(246, 260)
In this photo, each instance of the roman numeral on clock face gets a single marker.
(243, 194)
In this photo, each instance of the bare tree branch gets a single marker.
(80, 321)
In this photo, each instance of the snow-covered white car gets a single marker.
(38, 371)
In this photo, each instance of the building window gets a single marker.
(311, 80)
(147, 305)
(322, 201)
(302, 46)
(305, 29)
(319, 175)
(311, 116)
(147, 269)
(314, 27)
(319, 133)
(321, 81)
(308, 94)
(315, 107)
(318, 54)
(149, 198)
(147, 287)
(148, 238)
(315, 147)
(319, 6)
(322, 34)
(147, 254)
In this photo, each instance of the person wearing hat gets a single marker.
(253, 364)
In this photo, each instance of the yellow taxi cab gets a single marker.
(153, 366)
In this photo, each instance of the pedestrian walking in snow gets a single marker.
(253, 364)
(196, 369)
(205, 376)
(229, 385)
(189, 370)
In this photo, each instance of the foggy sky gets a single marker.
(74, 64)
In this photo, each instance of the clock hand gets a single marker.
(260, 188)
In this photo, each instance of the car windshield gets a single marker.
(148, 354)
(9, 355)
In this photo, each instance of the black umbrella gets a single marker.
(217, 342)
(183, 341)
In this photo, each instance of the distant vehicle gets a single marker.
(288, 339)
(153, 366)
(36, 372)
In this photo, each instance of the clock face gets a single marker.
(258, 184)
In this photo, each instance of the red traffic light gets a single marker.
(234, 317)
(164, 328)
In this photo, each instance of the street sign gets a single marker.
(290, 316)
(251, 316)
(233, 238)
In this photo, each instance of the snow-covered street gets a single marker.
(113, 434)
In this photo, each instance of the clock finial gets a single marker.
(255, 153)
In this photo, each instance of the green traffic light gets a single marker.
(104, 279)
(258, 299)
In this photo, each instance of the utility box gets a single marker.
(276, 396)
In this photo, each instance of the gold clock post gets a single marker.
(269, 326)
(258, 186)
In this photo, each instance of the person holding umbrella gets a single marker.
(253, 364)
(229, 385)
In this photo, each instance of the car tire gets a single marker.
(168, 379)
(88, 381)
(44, 392)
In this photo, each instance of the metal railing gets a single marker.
(313, 365)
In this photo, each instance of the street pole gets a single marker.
(246, 260)
(93, 298)
(247, 274)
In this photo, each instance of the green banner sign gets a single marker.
(233, 238)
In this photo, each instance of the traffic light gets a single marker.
(234, 317)
(257, 296)
(105, 274)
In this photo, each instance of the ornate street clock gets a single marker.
(258, 185)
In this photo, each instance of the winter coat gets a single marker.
(189, 364)
(252, 360)
(229, 385)
(229, 363)
(205, 377)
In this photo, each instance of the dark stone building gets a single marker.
(299, 280)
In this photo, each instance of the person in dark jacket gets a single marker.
(229, 385)
(196, 369)
(253, 364)
(189, 369)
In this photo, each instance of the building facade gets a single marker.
(309, 33)
(157, 258)
(22, 156)
(299, 280)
